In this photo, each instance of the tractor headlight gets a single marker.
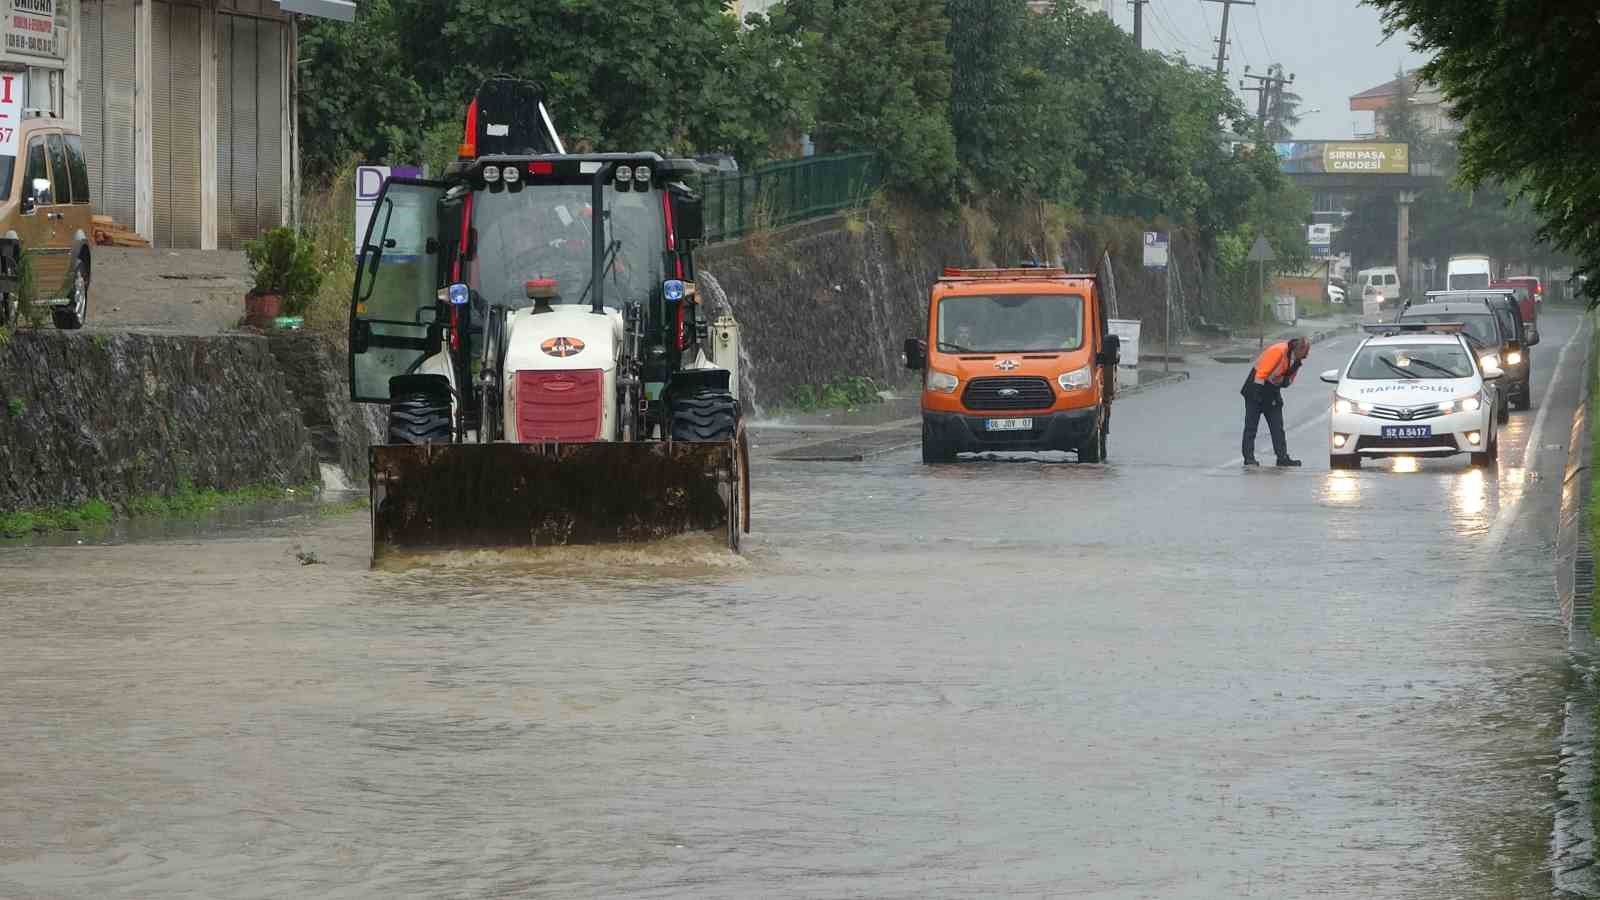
(458, 294)
(942, 382)
(491, 174)
(673, 290)
(511, 174)
(1076, 380)
(642, 175)
(624, 174)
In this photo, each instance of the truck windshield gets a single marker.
(1011, 323)
(1469, 281)
(544, 232)
(1411, 361)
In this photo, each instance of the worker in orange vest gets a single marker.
(1273, 371)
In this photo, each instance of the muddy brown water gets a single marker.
(1162, 677)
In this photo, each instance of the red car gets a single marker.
(1530, 294)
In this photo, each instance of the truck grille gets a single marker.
(1008, 392)
(563, 406)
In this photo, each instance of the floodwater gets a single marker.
(1162, 677)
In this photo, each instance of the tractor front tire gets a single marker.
(419, 410)
(705, 416)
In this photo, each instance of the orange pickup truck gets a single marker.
(1015, 360)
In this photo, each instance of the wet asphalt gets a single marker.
(1165, 676)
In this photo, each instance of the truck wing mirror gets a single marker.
(1110, 350)
(916, 354)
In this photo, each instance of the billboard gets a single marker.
(1343, 158)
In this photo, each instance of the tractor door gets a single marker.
(395, 318)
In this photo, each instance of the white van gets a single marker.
(1385, 278)
(1468, 273)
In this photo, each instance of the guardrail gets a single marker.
(783, 193)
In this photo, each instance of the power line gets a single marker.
(1178, 34)
(1265, 45)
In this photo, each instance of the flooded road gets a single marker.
(1163, 677)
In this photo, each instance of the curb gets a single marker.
(1163, 380)
(1317, 337)
(1573, 846)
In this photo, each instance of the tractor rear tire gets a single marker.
(419, 410)
(705, 416)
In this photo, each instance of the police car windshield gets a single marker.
(1421, 361)
(1011, 323)
(543, 232)
(1478, 326)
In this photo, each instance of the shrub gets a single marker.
(284, 264)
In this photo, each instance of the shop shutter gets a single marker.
(108, 106)
(176, 132)
(250, 106)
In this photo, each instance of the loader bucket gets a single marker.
(468, 496)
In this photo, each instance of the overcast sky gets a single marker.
(1335, 48)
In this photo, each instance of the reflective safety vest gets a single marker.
(1272, 366)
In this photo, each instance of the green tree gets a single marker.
(885, 85)
(1520, 77)
(620, 75)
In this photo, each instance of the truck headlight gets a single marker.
(942, 382)
(1076, 380)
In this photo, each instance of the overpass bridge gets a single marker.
(1370, 168)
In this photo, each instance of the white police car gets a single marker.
(1413, 390)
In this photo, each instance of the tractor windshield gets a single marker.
(544, 231)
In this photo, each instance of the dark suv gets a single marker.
(1497, 339)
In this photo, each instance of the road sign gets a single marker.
(1261, 251)
(1155, 249)
(1319, 235)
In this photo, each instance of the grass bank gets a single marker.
(188, 502)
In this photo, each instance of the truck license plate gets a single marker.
(1407, 431)
(1010, 425)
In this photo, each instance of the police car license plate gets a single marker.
(1407, 431)
(1009, 425)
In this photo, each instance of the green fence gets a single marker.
(783, 193)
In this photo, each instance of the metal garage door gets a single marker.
(176, 133)
(250, 108)
(108, 91)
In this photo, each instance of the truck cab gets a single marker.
(1015, 360)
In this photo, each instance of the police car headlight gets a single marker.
(942, 382)
(1076, 380)
(1513, 358)
(1343, 406)
(1468, 404)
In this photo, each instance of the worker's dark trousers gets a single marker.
(1263, 400)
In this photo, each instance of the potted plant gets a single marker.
(284, 270)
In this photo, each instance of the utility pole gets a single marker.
(1222, 41)
(1138, 22)
(1268, 87)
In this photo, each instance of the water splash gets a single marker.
(720, 300)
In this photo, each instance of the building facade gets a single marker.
(1425, 98)
(187, 107)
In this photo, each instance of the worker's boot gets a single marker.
(1251, 461)
(1285, 462)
